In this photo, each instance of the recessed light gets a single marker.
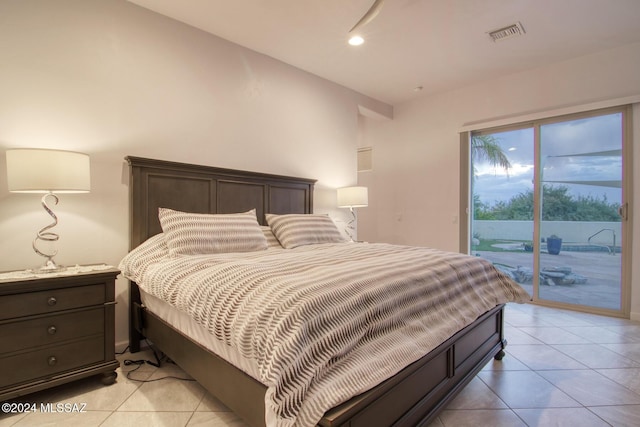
(356, 40)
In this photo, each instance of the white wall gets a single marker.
(414, 185)
(111, 79)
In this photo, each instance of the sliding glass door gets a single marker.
(548, 207)
(581, 193)
(502, 184)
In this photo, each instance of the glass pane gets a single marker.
(580, 229)
(502, 201)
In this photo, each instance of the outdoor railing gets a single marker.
(613, 232)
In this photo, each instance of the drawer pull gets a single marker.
(52, 360)
(52, 330)
(52, 301)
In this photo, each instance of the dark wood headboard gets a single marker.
(203, 189)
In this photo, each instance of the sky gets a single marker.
(564, 150)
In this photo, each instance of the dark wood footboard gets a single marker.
(416, 395)
(412, 397)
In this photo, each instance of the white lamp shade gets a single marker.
(42, 171)
(353, 197)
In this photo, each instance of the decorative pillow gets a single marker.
(295, 230)
(272, 242)
(193, 233)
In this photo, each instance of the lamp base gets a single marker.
(49, 267)
(350, 229)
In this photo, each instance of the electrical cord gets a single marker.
(158, 362)
(123, 351)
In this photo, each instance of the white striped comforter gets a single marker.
(324, 322)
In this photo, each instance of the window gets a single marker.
(546, 203)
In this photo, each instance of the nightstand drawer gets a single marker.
(46, 362)
(48, 301)
(50, 329)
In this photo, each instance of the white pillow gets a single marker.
(295, 230)
(193, 233)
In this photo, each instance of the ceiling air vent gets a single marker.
(506, 32)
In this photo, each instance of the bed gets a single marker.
(410, 396)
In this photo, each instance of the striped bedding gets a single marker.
(324, 322)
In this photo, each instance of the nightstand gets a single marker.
(56, 328)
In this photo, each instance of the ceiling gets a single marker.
(437, 45)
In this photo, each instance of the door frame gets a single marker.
(465, 201)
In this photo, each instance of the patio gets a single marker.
(601, 269)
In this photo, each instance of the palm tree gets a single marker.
(487, 147)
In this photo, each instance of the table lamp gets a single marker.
(352, 197)
(47, 171)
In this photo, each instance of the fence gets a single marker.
(569, 231)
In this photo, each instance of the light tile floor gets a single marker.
(562, 368)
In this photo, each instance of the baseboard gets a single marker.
(121, 346)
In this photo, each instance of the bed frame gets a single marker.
(412, 397)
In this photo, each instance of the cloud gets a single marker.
(566, 139)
